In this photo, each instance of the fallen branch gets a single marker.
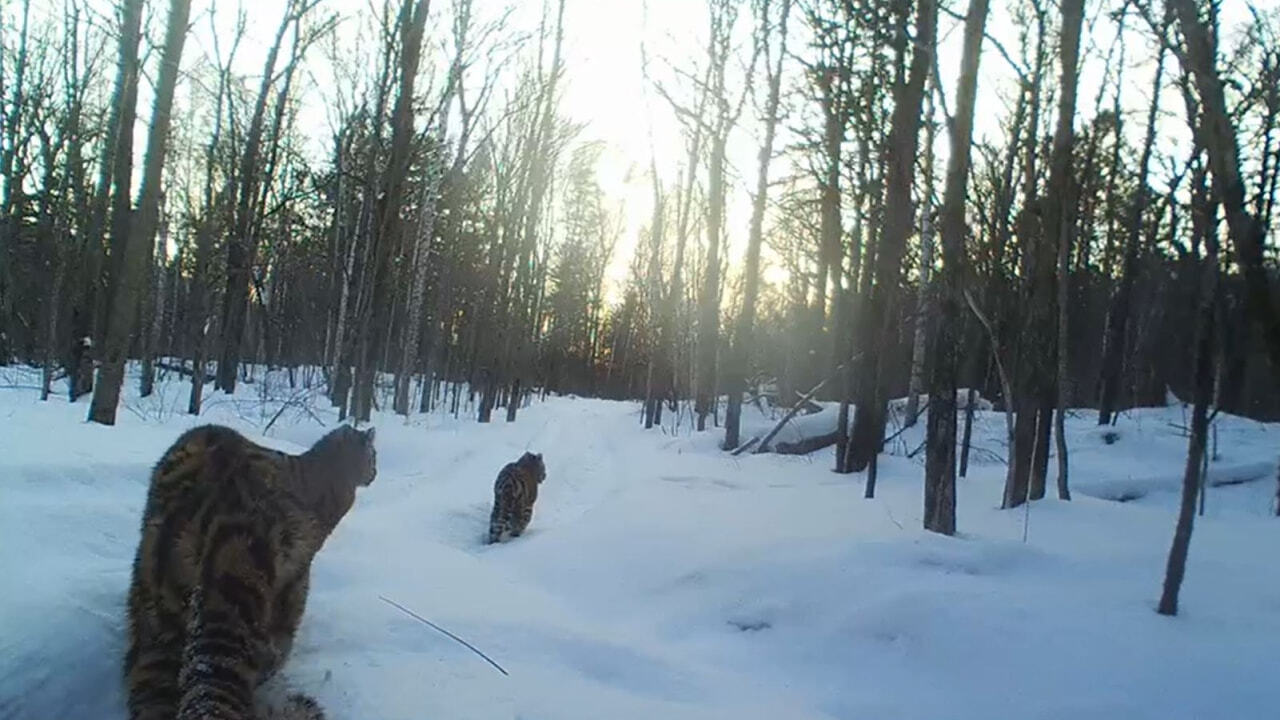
(1005, 385)
(1007, 388)
(804, 401)
(905, 427)
(746, 446)
(430, 624)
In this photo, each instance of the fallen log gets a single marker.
(183, 370)
(805, 401)
(804, 446)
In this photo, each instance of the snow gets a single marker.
(661, 578)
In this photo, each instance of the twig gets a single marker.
(906, 427)
(430, 624)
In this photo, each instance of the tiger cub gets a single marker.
(221, 575)
(514, 494)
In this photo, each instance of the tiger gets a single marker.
(222, 570)
(514, 493)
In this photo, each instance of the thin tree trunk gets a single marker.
(242, 245)
(388, 226)
(54, 304)
(940, 439)
(1060, 221)
(1024, 371)
(737, 366)
(152, 313)
(1119, 309)
(709, 302)
(919, 338)
(904, 136)
(1175, 570)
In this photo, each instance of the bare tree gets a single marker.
(904, 136)
(212, 210)
(242, 245)
(940, 462)
(1247, 234)
(1192, 479)
(735, 369)
(1118, 314)
(1059, 218)
(388, 223)
(106, 394)
(724, 117)
(1216, 131)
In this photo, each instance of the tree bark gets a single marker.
(1175, 570)
(388, 226)
(940, 438)
(1060, 221)
(904, 135)
(735, 369)
(1246, 232)
(115, 179)
(106, 395)
(919, 338)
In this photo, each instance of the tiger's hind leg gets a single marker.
(152, 664)
(521, 522)
(227, 647)
(497, 521)
(286, 616)
(297, 707)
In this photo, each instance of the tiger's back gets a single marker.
(514, 493)
(222, 570)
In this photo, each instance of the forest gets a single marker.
(1061, 207)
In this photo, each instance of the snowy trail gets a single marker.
(661, 578)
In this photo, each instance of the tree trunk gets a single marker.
(1247, 234)
(54, 304)
(200, 315)
(1177, 564)
(919, 338)
(242, 245)
(388, 226)
(1060, 221)
(1119, 310)
(106, 395)
(904, 135)
(115, 181)
(735, 369)
(420, 259)
(940, 439)
(12, 128)
(709, 302)
(152, 313)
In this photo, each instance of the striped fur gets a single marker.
(514, 493)
(221, 575)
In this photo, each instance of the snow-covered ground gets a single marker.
(661, 578)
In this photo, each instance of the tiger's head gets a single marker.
(533, 463)
(353, 454)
